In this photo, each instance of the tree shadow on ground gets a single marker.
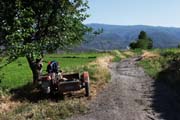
(31, 93)
(166, 98)
(28, 92)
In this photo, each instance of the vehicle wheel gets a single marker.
(87, 89)
(85, 79)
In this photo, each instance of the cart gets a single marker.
(59, 83)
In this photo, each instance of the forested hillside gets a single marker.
(119, 37)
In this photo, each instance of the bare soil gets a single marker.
(133, 95)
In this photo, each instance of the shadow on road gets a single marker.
(166, 97)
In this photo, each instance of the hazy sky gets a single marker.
(135, 12)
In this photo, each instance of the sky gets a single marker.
(135, 12)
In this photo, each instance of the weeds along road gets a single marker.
(132, 95)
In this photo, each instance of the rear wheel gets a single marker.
(85, 80)
(87, 90)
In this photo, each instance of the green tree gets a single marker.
(142, 35)
(178, 46)
(133, 45)
(143, 42)
(30, 27)
(150, 43)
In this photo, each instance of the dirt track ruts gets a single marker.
(132, 95)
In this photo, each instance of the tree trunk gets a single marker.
(36, 67)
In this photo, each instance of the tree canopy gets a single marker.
(142, 35)
(30, 27)
(143, 42)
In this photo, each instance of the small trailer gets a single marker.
(59, 83)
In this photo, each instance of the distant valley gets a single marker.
(119, 37)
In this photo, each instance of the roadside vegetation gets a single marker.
(119, 55)
(21, 100)
(164, 65)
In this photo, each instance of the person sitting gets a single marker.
(53, 71)
(53, 67)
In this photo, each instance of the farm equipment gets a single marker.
(60, 83)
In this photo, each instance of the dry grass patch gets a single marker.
(45, 110)
(6, 104)
(102, 62)
(119, 54)
(101, 74)
(149, 55)
(129, 53)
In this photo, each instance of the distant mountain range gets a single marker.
(119, 37)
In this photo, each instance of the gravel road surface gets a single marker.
(133, 95)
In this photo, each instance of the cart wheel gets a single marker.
(87, 90)
(85, 79)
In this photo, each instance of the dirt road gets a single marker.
(132, 95)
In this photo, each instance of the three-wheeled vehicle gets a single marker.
(53, 83)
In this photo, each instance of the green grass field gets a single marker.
(18, 72)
